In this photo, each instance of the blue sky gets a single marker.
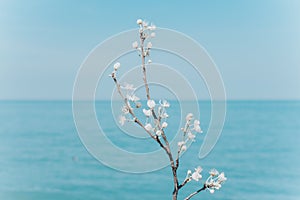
(255, 44)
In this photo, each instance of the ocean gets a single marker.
(42, 157)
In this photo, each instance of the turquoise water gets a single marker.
(41, 156)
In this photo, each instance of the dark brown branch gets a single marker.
(184, 182)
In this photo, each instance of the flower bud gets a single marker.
(148, 127)
(139, 21)
(116, 66)
(151, 104)
(149, 45)
(158, 133)
(135, 45)
(164, 125)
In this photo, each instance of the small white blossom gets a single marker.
(149, 61)
(151, 104)
(135, 45)
(191, 136)
(164, 104)
(213, 172)
(221, 178)
(158, 133)
(152, 35)
(164, 115)
(181, 143)
(147, 113)
(189, 117)
(149, 45)
(148, 127)
(211, 191)
(122, 120)
(199, 169)
(164, 125)
(139, 21)
(197, 127)
(133, 98)
(128, 86)
(125, 109)
(183, 148)
(214, 182)
(117, 66)
(216, 185)
(196, 175)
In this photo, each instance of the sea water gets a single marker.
(42, 157)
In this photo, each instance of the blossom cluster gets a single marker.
(158, 123)
(212, 183)
(189, 131)
(146, 31)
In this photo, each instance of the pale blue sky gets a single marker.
(255, 43)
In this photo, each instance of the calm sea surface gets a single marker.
(42, 157)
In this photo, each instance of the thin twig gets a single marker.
(196, 192)
(184, 182)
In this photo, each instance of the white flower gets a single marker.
(216, 185)
(164, 115)
(189, 117)
(148, 127)
(191, 136)
(147, 113)
(151, 104)
(211, 190)
(135, 45)
(149, 45)
(152, 35)
(139, 21)
(164, 104)
(183, 148)
(213, 172)
(196, 175)
(221, 178)
(158, 133)
(213, 183)
(199, 169)
(125, 109)
(164, 125)
(197, 127)
(128, 87)
(122, 120)
(132, 98)
(116, 66)
(149, 61)
(181, 143)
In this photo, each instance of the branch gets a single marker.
(184, 182)
(186, 127)
(142, 38)
(196, 192)
(167, 146)
(136, 120)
